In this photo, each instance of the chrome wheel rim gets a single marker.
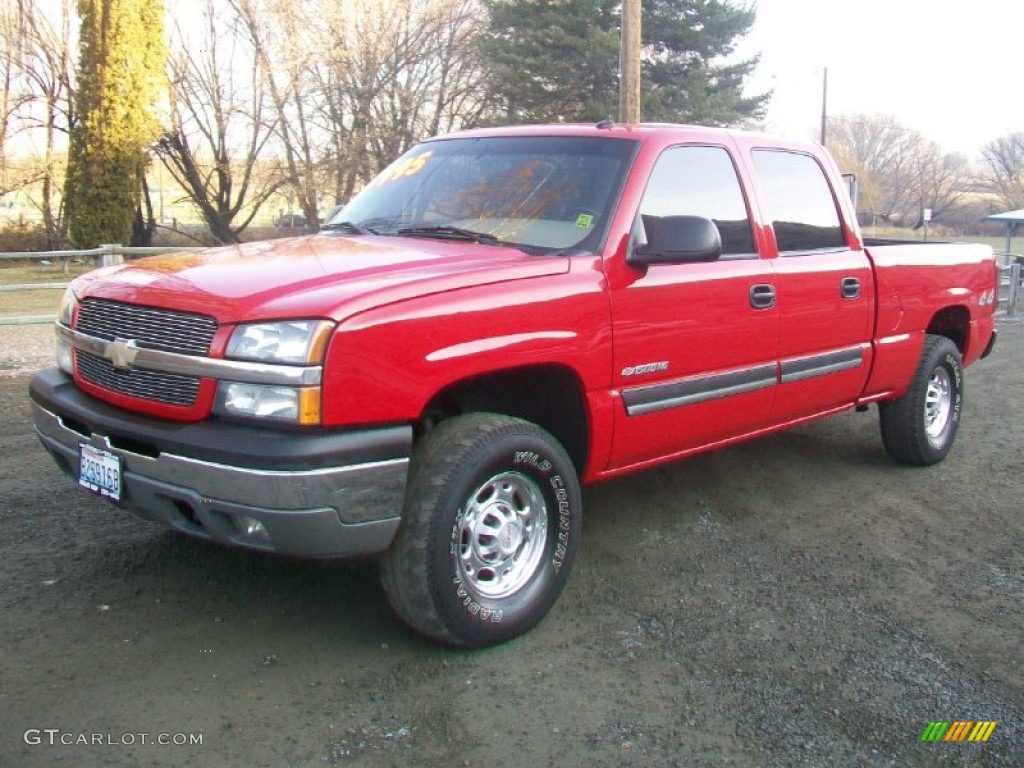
(938, 403)
(501, 532)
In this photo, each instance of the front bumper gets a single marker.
(323, 493)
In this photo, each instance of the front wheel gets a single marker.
(919, 427)
(490, 528)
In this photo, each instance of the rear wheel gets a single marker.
(919, 428)
(489, 531)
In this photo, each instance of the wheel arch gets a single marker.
(548, 395)
(954, 323)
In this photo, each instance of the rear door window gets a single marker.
(799, 201)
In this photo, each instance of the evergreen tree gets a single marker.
(685, 79)
(120, 82)
(550, 60)
(559, 60)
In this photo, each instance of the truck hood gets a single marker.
(326, 275)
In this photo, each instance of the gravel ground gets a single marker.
(25, 348)
(794, 601)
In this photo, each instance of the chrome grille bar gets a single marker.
(192, 365)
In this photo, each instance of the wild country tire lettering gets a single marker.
(954, 365)
(532, 459)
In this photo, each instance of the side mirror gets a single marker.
(677, 240)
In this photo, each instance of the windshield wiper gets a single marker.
(351, 227)
(450, 233)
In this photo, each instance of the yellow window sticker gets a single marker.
(584, 221)
(403, 169)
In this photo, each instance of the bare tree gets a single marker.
(944, 180)
(349, 83)
(283, 37)
(50, 42)
(356, 83)
(219, 126)
(1003, 175)
(431, 74)
(900, 173)
(37, 41)
(881, 151)
(15, 95)
(342, 125)
(317, 96)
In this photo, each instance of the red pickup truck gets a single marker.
(499, 317)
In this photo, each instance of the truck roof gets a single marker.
(658, 132)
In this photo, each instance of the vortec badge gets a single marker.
(637, 370)
(122, 353)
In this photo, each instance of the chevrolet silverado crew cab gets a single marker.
(500, 317)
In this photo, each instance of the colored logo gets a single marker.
(959, 730)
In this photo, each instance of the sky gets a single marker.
(952, 70)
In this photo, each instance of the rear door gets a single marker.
(825, 291)
(694, 344)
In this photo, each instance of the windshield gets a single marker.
(541, 193)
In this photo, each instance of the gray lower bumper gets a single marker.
(299, 511)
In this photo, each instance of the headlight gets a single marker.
(295, 342)
(292, 341)
(66, 313)
(294, 405)
(68, 302)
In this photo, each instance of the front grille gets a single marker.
(165, 330)
(170, 388)
(153, 328)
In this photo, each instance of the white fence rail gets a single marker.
(104, 255)
(114, 253)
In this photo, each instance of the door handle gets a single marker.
(762, 296)
(850, 287)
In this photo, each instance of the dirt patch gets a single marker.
(794, 601)
(25, 348)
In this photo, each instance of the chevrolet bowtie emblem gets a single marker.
(122, 353)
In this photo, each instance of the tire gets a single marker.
(489, 532)
(919, 427)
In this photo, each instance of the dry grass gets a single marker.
(17, 303)
(23, 272)
(36, 302)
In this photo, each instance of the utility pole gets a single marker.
(629, 63)
(824, 104)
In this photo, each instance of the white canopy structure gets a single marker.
(1012, 219)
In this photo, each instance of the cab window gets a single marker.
(700, 181)
(799, 202)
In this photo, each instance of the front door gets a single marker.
(695, 344)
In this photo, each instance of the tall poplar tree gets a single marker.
(121, 81)
(554, 60)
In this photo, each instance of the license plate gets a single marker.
(99, 471)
